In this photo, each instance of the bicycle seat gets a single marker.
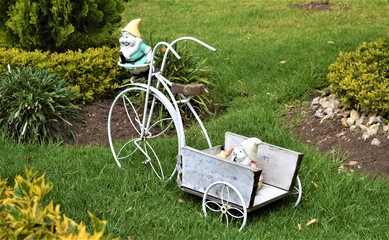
(188, 89)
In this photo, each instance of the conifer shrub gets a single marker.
(361, 78)
(36, 106)
(23, 214)
(60, 25)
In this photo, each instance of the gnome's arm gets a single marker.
(147, 51)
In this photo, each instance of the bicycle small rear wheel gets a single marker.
(155, 141)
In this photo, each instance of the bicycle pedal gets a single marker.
(188, 89)
(146, 161)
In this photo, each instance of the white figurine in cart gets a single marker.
(132, 49)
(246, 153)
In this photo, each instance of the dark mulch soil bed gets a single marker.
(331, 137)
(328, 136)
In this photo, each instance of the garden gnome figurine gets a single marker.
(246, 153)
(132, 48)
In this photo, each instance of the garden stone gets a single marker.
(360, 120)
(350, 121)
(334, 103)
(346, 114)
(371, 120)
(341, 134)
(375, 142)
(324, 118)
(371, 131)
(344, 122)
(329, 112)
(324, 103)
(385, 128)
(319, 114)
(354, 114)
(315, 101)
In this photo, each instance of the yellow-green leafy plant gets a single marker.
(23, 214)
(93, 72)
(361, 78)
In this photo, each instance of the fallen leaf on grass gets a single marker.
(313, 221)
(299, 226)
(180, 200)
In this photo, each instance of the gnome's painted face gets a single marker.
(127, 40)
(129, 44)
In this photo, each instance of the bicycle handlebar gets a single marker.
(181, 39)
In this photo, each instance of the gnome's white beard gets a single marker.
(131, 48)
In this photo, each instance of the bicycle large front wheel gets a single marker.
(152, 137)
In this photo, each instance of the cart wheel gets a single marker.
(220, 201)
(133, 137)
(298, 190)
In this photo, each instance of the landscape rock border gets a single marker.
(327, 107)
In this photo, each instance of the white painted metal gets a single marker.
(224, 193)
(199, 170)
(298, 191)
(140, 141)
(143, 123)
(279, 165)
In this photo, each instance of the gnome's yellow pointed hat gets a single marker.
(132, 27)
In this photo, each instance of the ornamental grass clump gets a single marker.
(361, 78)
(187, 70)
(36, 106)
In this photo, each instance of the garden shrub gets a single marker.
(35, 106)
(93, 72)
(59, 25)
(23, 214)
(187, 70)
(361, 78)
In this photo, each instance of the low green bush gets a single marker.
(93, 72)
(60, 25)
(35, 106)
(361, 78)
(23, 214)
(187, 70)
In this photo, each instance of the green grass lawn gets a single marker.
(269, 54)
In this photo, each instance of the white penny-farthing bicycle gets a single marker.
(153, 111)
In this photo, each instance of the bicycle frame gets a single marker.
(167, 84)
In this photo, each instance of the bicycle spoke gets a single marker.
(124, 146)
(207, 204)
(137, 119)
(165, 128)
(234, 215)
(161, 174)
(225, 200)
